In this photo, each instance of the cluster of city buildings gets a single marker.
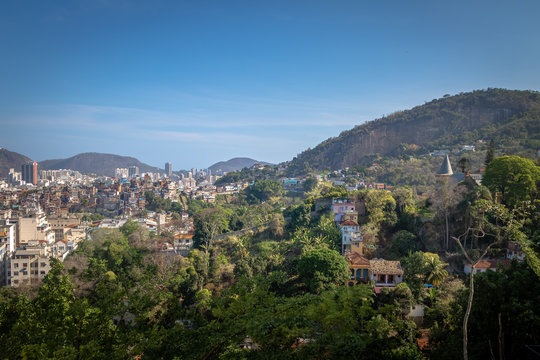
(30, 176)
(28, 239)
(41, 212)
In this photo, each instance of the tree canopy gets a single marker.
(263, 190)
(322, 268)
(516, 178)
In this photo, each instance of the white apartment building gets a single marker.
(28, 266)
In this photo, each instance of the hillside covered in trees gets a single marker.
(510, 117)
(282, 289)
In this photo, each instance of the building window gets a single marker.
(16, 265)
(15, 281)
(390, 278)
(42, 272)
(43, 264)
(15, 273)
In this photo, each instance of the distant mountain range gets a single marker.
(10, 159)
(104, 164)
(510, 117)
(235, 164)
(96, 163)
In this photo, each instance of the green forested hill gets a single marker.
(510, 117)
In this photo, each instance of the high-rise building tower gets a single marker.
(132, 171)
(29, 172)
(168, 169)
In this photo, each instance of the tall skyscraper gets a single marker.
(29, 172)
(168, 169)
(132, 171)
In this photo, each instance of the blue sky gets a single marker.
(196, 82)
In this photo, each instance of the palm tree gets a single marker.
(435, 270)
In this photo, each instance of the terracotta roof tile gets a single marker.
(489, 264)
(357, 259)
(348, 223)
(380, 266)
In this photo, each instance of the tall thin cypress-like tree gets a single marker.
(490, 155)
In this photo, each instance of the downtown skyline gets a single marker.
(197, 83)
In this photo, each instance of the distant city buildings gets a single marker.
(29, 173)
(14, 177)
(168, 169)
(121, 173)
(133, 171)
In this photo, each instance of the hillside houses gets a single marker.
(380, 272)
(484, 265)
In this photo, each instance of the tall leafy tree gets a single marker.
(516, 178)
(322, 268)
(490, 155)
(209, 223)
(464, 164)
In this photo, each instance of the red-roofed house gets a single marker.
(358, 266)
(484, 265)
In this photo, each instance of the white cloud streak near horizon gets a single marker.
(266, 129)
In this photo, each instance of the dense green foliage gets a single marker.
(247, 175)
(515, 177)
(505, 303)
(263, 190)
(322, 268)
(119, 300)
(159, 204)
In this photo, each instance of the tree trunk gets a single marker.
(446, 221)
(467, 313)
(501, 339)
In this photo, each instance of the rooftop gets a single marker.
(357, 259)
(446, 168)
(489, 264)
(348, 223)
(380, 266)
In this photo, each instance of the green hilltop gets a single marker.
(510, 117)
